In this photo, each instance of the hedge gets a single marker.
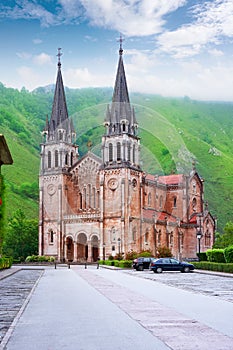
(5, 262)
(216, 255)
(228, 253)
(212, 266)
(117, 263)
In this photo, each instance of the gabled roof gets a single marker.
(148, 213)
(86, 156)
(174, 179)
(166, 217)
(5, 155)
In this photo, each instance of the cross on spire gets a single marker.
(120, 41)
(59, 54)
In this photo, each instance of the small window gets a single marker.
(118, 151)
(49, 159)
(149, 199)
(129, 153)
(110, 156)
(56, 159)
(174, 202)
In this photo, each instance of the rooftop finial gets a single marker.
(59, 54)
(120, 41)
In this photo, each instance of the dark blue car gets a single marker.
(170, 264)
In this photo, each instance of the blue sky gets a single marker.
(171, 47)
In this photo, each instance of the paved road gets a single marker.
(98, 309)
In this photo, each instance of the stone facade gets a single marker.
(96, 207)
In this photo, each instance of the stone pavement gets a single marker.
(79, 309)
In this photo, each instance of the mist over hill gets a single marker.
(174, 132)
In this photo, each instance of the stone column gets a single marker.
(75, 251)
(90, 257)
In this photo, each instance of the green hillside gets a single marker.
(173, 132)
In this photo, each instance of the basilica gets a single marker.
(94, 207)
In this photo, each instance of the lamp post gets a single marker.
(104, 245)
(119, 245)
(199, 235)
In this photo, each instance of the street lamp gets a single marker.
(119, 245)
(104, 245)
(199, 235)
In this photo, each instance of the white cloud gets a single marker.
(213, 21)
(42, 59)
(37, 41)
(216, 52)
(82, 78)
(24, 55)
(131, 17)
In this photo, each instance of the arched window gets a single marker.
(110, 155)
(123, 127)
(80, 201)
(49, 159)
(60, 135)
(133, 153)
(149, 199)
(174, 202)
(129, 152)
(84, 198)
(161, 202)
(194, 204)
(56, 159)
(51, 236)
(146, 237)
(134, 234)
(89, 196)
(93, 198)
(118, 151)
(67, 159)
(71, 158)
(98, 199)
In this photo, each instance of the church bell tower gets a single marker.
(120, 174)
(58, 154)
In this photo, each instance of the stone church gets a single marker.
(95, 207)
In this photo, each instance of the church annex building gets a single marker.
(95, 207)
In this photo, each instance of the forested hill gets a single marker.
(174, 133)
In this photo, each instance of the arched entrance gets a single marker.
(69, 249)
(82, 247)
(95, 247)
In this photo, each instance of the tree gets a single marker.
(226, 239)
(21, 238)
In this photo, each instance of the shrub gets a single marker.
(119, 256)
(216, 255)
(145, 253)
(110, 257)
(212, 266)
(202, 256)
(228, 254)
(131, 255)
(5, 262)
(164, 252)
(125, 264)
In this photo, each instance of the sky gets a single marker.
(171, 47)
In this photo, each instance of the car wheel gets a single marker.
(186, 269)
(140, 268)
(159, 270)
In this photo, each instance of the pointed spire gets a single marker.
(120, 93)
(120, 117)
(59, 111)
